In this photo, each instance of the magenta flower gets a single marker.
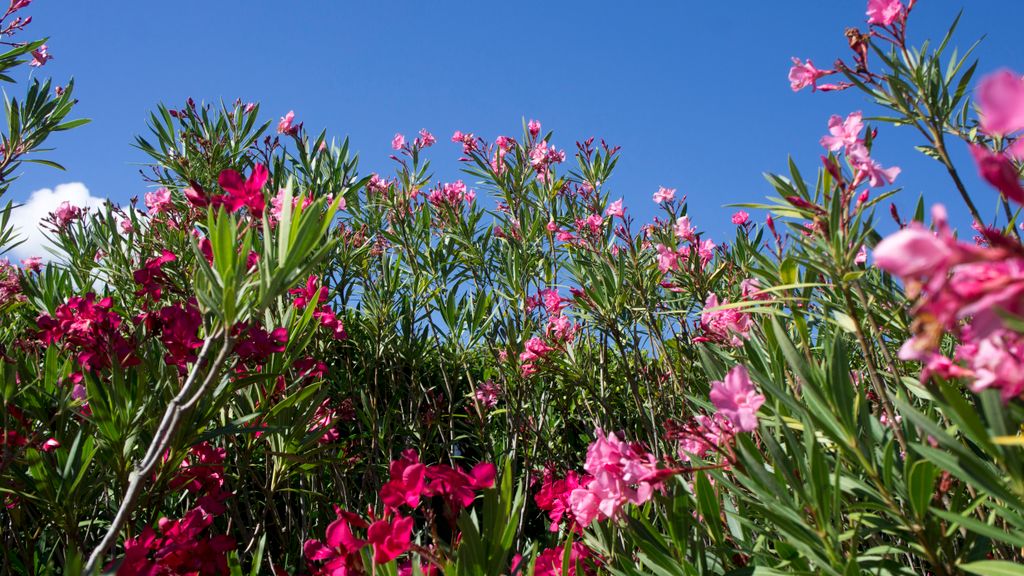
(740, 218)
(802, 75)
(397, 142)
(246, 193)
(737, 399)
(884, 12)
(65, 214)
(664, 194)
(843, 132)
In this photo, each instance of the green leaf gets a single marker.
(993, 568)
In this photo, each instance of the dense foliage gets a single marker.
(277, 364)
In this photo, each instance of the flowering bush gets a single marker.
(276, 363)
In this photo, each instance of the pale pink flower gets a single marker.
(998, 362)
(884, 12)
(868, 168)
(913, 252)
(684, 230)
(615, 209)
(158, 201)
(1001, 102)
(862, 255)
(737, 399)
(802, 75)
(126, 226)
(750, 289)
(843, 132)
(285, 125)
(740, 218)
(664, 194)
(397, 142)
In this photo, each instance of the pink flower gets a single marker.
(40, 56)
(736, 399)
(397, 142)
(487, 393)
(750, 289)
(65, 214)
(1001, 102)
(843, 132)
(126, 226)
(725, 325)
(884, 12)
(425, 140)
(803, 75)
(158, 201)
(684, 230)
(615, 209)
(913, 252)
(868, 168)
(33, 264)
(998, 362)
(285, 125)
(740, 218)
(468, 141)
(534, 128)
(862, 255)
(668, 259)
(664, 194)
(998, 171)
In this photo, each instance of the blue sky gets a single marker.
(694, 92)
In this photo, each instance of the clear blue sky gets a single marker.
(694, 92)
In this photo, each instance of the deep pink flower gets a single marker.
(246, 193)
(91, 329)
(340, 549)
(407, 482)
(998, 171)
(152, 277)
(254, 344)
(884, 12)
(843, 132)
(397, 142)
(802, 75)
(179, 329)
(390, 539)
(553, 497)
(740, 218)
(737, 399)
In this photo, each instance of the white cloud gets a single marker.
(27, 218)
